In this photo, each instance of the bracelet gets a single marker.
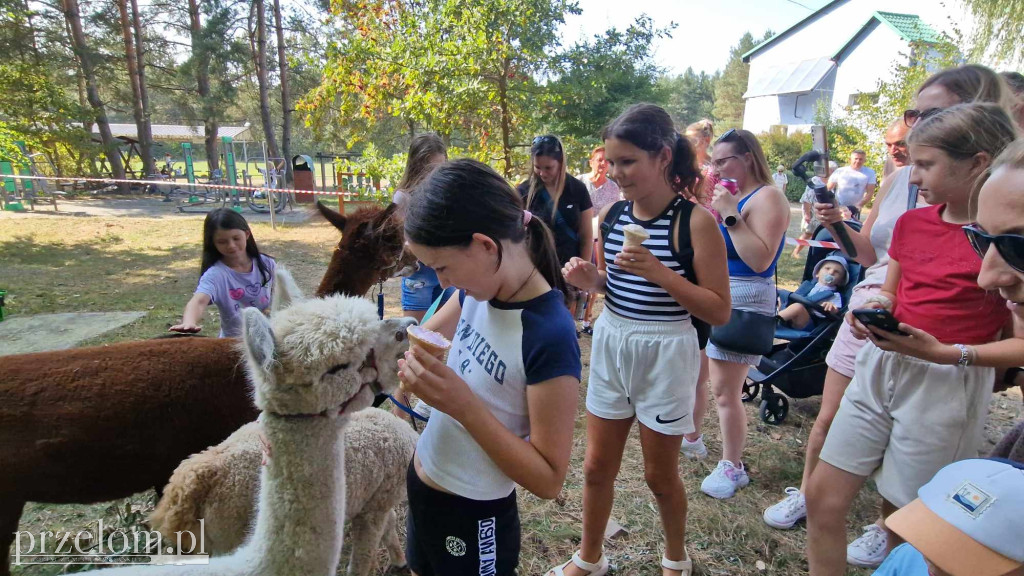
(967, 355)
(883, 300)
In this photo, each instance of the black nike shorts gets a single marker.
(449, 535)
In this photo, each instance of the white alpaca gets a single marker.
(220, 485)
(313, 365)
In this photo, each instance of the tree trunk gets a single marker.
(286, 99)
(260, 57)
(200, 55)
(506, 129)
(146, 128)
(74, 21)
(131, 61)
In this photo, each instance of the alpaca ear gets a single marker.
(258, 339)
(284, 292)
(337, 219)
(386, 213)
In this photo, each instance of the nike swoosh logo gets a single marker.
(660, 421)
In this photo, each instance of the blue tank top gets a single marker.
(737, 267)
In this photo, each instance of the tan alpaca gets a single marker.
(312, 366)
(220, 486)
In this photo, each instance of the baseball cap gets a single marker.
(969, 519)
(838, 259)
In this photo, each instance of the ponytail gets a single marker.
(465, 197)
(685, 175)
(541, 243)
(650, 128)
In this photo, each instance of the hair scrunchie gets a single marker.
(527, 216)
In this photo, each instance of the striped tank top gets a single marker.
(631, 296)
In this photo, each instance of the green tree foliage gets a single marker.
(999, 29)
(456, 67)
(844, 137)
(731, 85)
(38, 106)
(599, 78)
(690, 96)
(784, 148)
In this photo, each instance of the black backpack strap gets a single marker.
(682, 250)
(681, 245)
(610, 218)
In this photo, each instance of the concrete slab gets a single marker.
(42, 332)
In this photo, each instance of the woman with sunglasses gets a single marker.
(753, 221)
(1001, 224)
(896, 194)
(919, 397)
(560, 199)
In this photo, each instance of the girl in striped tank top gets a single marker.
(644, 359)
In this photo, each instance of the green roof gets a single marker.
(910, 27)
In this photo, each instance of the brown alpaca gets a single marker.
(105, 422)
(370, 241)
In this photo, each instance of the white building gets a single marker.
(840, 51)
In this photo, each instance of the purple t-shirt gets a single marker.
(231, 291)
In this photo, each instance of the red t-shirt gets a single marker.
(938, 290)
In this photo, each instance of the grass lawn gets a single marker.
(65, 263)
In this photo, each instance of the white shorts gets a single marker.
(644, 369)
(902, 419)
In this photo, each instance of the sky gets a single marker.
(707, 29)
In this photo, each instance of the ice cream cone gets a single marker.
(434, 343)
(634, 235)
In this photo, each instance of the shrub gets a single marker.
(782, 148)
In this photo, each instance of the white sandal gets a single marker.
(599, 568)
(684, 566)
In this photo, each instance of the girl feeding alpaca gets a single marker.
(503, 404)
(233, 275)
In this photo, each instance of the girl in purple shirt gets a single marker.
(233, 274)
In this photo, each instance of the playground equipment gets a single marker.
(19, 194)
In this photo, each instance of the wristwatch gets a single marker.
(730, 221)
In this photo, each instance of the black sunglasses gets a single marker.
(1010, 246)
(546, 140)
(911, 117)
(728, 134)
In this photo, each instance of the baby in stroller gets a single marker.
(831, 275)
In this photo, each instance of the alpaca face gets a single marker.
(323, 355)
(375, 240)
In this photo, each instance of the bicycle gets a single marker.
(201, 197)
(259, 200)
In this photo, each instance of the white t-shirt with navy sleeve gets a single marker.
(231, 291)
(499, 349)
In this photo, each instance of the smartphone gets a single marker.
(879, 318)
(823, 195)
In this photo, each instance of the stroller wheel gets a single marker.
(774, 409)
(750, 390)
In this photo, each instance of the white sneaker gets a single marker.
(868, 551)
(785, 514)
(724, 480)
(695, 450)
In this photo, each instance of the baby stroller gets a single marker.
(796, 365)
